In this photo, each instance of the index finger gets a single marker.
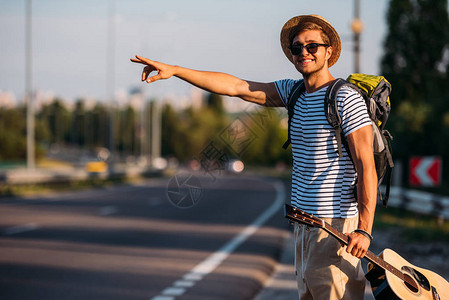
(135, 60)
(141, 60)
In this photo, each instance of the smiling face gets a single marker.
(311, 63)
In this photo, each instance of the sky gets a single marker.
(72, 58)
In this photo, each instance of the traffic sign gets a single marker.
(425, 171)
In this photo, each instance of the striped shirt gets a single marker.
(322, 183)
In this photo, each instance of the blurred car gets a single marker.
(235, 166)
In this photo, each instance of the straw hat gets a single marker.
(290, 28)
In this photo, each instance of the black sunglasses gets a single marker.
(311, 48)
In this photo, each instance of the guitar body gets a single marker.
(385, 285)
(391, 276)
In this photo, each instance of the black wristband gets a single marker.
(361, 231)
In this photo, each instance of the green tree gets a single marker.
(99, 123)
(57, 120)
(215, 102)
(415, 61)
(78, 124)
(170, 128)
(186, 133)
(12, 133)
(417, 40)
(127, 129)
(267, 149)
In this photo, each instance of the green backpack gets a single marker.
(375, 90)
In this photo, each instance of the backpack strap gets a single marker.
(297, 90)
(331, 111)
(387, 141)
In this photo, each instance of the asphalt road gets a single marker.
(162, 239)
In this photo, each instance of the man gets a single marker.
(322, 182)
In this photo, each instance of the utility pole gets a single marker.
(142, 131)
(155, 131)
(29, 87)
(110, 80)
(357, 28)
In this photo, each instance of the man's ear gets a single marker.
(329, 51)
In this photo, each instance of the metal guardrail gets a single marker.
(420, 201)
(38, 176)
(413, 200)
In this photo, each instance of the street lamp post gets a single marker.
(29, 87)
(155, 131)
(357, 28)
(110, 81)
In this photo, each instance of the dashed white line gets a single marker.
(191, 276)
(214, 260)
(163, 298)
(20, 228)
(173, 291)
(184, 283)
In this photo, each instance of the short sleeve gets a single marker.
(352, 109)
(284, 88)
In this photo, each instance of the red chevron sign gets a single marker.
(425, 171)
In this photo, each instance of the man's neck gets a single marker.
(316, 81)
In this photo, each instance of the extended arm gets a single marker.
(214, 82)
(361, 147)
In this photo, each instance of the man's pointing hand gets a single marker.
(164, 71)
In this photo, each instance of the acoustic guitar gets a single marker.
(390, 276)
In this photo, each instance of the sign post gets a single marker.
(425, 171)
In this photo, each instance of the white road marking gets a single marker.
(215, 259)
(184, 283)
(191, 276)
(20, 228)
(173, 291)
(163, 298)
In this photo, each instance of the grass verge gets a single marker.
(414, 226)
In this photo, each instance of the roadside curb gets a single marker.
(282, 284)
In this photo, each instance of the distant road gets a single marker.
(162, 239)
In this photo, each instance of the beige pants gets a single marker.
(324, 269)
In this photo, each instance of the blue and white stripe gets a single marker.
(322, 183)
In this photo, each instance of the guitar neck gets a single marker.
(302, 217)
(370, 256)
